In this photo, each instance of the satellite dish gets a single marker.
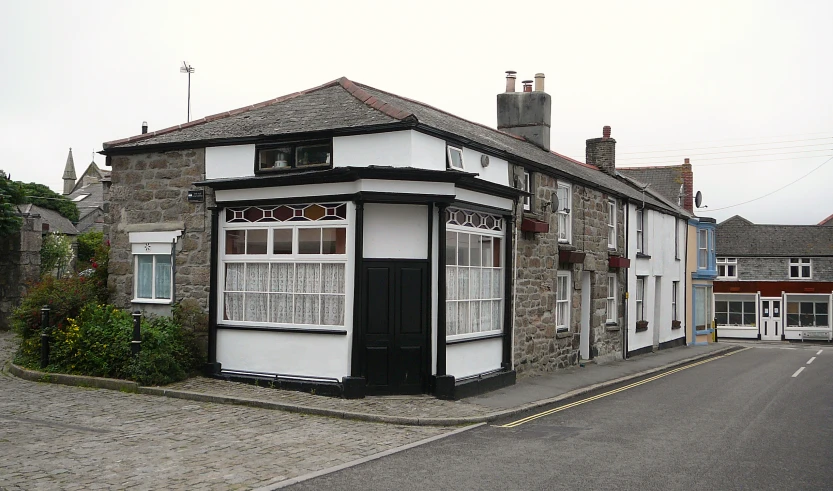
(698, 199)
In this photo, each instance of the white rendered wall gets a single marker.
(309, 355)
(231, 161)
(308, 191)
(483, 199)
(395, 231)
(497, 171)
(474, 357)
(659, 230)
(391, 149)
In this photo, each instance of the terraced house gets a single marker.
(355, 241)
(774, 282)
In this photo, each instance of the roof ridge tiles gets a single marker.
(384, 107)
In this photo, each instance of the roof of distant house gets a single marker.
(56, 221)
(666, 180)
(828, 222)
(738, 236)
(343, 106)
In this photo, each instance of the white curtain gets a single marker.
(332, 310)
(280, 308)
(234, 307)
(307, 309)
(333, 278)
(283, 278)
(144, 280)
(163, 276)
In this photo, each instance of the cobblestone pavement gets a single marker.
(58, 437)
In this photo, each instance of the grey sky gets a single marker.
(740, 76)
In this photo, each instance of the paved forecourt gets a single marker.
(59, 437)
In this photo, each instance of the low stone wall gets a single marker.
(19, 265)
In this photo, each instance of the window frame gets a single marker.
(497, 231)
(564, 213)
(800, 263)
(564, 277)
(292, 164)
(527, 180)
(295, 258)
(677, 239)
(640, 231)
(611, 304)
(703, 248)
(743, 300)
(154, 298)
(725, 263)
(675, 292)
(450, 162)
(640, 298)
(788, 317)
(612, 231)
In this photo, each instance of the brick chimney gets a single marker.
(525, 114)
(688, 187)
(601, 152)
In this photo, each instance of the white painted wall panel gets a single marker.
(427, 152)
(310, 355)
(383, 149)
(395, 231)
(473, 358)
(231, 161)
(483, 199)
(497, 171)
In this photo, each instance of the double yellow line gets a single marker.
(615, 391)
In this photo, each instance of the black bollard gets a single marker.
(136, 343)
(44, 336)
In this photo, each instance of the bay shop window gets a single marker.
(474, 273)
(284, 265)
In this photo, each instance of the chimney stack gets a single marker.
(601, 152)
(688, 186)
(525, 114)
(510, 80)
(144, 127)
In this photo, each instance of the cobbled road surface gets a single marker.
(59, 437)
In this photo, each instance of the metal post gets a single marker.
(136, 343)
(44, 336)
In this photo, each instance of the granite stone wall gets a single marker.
(149, 193)
(19, 265)
(537, 346)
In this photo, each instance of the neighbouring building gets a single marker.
(356, 241)
(88, 194)
(702, 271)
(774, 282)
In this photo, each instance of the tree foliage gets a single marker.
(10, 195)
(13, 193)
(55, 254)
(42, 196)
(88, 244)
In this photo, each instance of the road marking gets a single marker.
(811, 360)
(798, 371)
(614, 391)
(819, 352)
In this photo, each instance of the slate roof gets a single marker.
(56, 221)
(665, 180)
(738, 236)
(828, 222)
(651, 191)
(343, 104)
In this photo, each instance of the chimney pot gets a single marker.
(606, 132)
(539, 82)
(686, 160)
(144, 127)
(527, 85)
(510, 80)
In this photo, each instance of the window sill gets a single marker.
(564, 245)
(299, 330)
(642, 255)
(291, 170)
(155, 301)
(611, 326)
(473, 338)
(563, 334)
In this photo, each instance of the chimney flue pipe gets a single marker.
(539, 82)
(510, 80)
(144, 127)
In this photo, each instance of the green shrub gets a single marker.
(55, 254)
(89, 245)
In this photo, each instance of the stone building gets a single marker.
(19, 264)
(773, 282)
(356, 241)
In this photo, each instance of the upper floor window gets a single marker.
(727, 267)
(455, 158)
(703, 249)
(640, 233)
(676, 239)
(611, 224)
(293, 156)
(800, 268)
(565, 222)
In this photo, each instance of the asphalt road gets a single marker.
(737, 422)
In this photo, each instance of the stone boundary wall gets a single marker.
(19, 265)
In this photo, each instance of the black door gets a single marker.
(395, 321)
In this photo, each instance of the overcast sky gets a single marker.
(743, 88)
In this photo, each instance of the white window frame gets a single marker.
(565, 220)
(640, 298)
(640, 231)
(677, 238)
(815, 300)
(612, 288)
(611, 224)
(675, 292)
(703, 249)
(452, 149)
(801, 263)
(295, 258)
(528, 189)
(723, 266)
(157, 243)
(563, 294)
(467, 225)
(743, 300)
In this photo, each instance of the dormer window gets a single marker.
(455, 158)
(294, 156)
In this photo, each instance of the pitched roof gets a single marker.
(343, 104)
(828, 222)
(56, 221)
(666, 181)
(738, 236)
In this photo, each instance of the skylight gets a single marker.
(80, 197)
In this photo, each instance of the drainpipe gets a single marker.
(627, 278)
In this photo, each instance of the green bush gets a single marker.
(97, 343)
(89, 245)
